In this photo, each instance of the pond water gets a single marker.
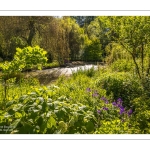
(48, 75)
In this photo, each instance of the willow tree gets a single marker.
(21, 31)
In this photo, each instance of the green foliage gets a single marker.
(25, 58)
(44, 111)
(14, 43)
(40, 112)
(80, 104)
(142, 113)
(92, 51)
(31, 57)
(97, 29)
(117, 127)
(132, 33)
(120, 84)
(122, 65)
(51, 65)
(115, 51)
(83, 20)
(146, 85)
(15, 87)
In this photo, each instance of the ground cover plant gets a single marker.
(45, 111)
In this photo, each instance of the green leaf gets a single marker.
(51, 122)
(7, 115)
(10, 103)
(15, 123)
(11, 111)
(89, 126)
(62, 126)
(44, 106)
(40, 121)
(18, 115)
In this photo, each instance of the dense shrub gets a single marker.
(120, 84)
(142, 113)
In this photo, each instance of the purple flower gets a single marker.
(106, 102)
(88, 90)
(105, 108)
(121, 110)
(98, 111)
(104, 99)
(119, 100)
(95, 94)
(114, 103)
(130, 112)
(120, 106)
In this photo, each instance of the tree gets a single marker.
(92, 51)
(75, 35)
(83, 20)
(20, 31)
(133, 33)
(97, 29)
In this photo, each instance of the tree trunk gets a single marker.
(32, 33)
(142, 59)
